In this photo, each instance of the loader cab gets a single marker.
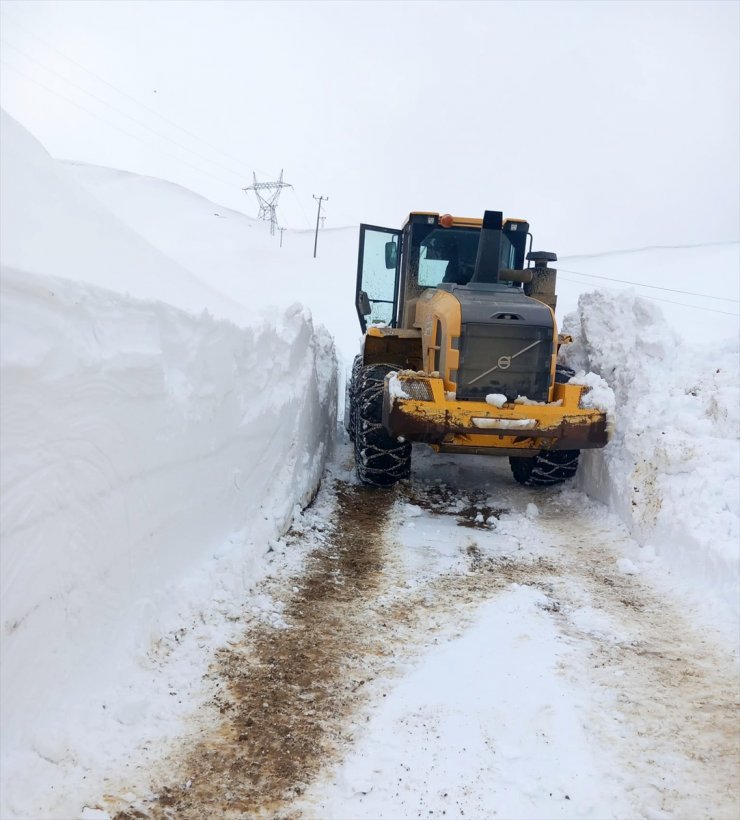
(396, 266)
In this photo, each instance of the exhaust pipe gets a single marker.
(488, 260)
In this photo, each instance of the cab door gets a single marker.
(378, 264)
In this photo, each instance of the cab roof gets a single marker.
(457, 221)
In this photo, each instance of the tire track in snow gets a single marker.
(672, 693)
(292, 700)
(284, 692)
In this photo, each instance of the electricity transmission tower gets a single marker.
(268, 204)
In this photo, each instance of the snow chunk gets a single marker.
(627, 567)
(496, 399)
(599, 395)
(532, 511)
(395, 388)
(531, 402)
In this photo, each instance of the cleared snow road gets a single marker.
(459, 647)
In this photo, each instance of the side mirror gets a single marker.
(391, 256)
(363, 301)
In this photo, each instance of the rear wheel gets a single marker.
(548, 467)
(380, 459)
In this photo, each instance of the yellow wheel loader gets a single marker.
(460, 352)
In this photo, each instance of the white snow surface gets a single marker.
(599, 395)
(168, 404)
(672, 468)
(156, 435)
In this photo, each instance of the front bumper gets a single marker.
(471, 426)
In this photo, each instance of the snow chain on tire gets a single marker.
(549, 466)
(380, 459)
(350, 396)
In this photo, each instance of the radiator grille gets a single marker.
(504, 358)
(418, 389)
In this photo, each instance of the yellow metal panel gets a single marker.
(454, 423)
(439, 306)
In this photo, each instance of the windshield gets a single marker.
(448, 254)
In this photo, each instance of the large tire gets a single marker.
(349, 414)
(380, 459)
(563, 374)
(548, 467)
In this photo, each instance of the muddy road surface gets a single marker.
(644, 701)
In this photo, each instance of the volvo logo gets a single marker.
(504, 362)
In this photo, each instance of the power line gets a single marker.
(120, 91)
(667, 301)
(118, 110)
(134, 100)
(650, 248)
(644, 285)
(110, 124)
(308, 221)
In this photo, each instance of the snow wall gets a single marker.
(138, 439)
(672, 469)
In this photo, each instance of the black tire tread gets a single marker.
(547, 468)
(563, 374)
(349, 398)
(380, 459)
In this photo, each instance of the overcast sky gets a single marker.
(607, 124)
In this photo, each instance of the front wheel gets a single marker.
(380, 459)
(349, 397)
(547, 468)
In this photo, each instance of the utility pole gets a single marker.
(281, 236)
(268, 204)
(319, 199)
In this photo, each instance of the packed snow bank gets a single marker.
(672, 469)
(136, 439)
(149, 425)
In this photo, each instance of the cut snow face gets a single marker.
(152, 445)
(672, 469)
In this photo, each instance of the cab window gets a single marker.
(444, 254)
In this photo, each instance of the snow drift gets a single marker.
(672, 470)
(149, 422)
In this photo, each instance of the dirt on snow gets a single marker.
(286, 696)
